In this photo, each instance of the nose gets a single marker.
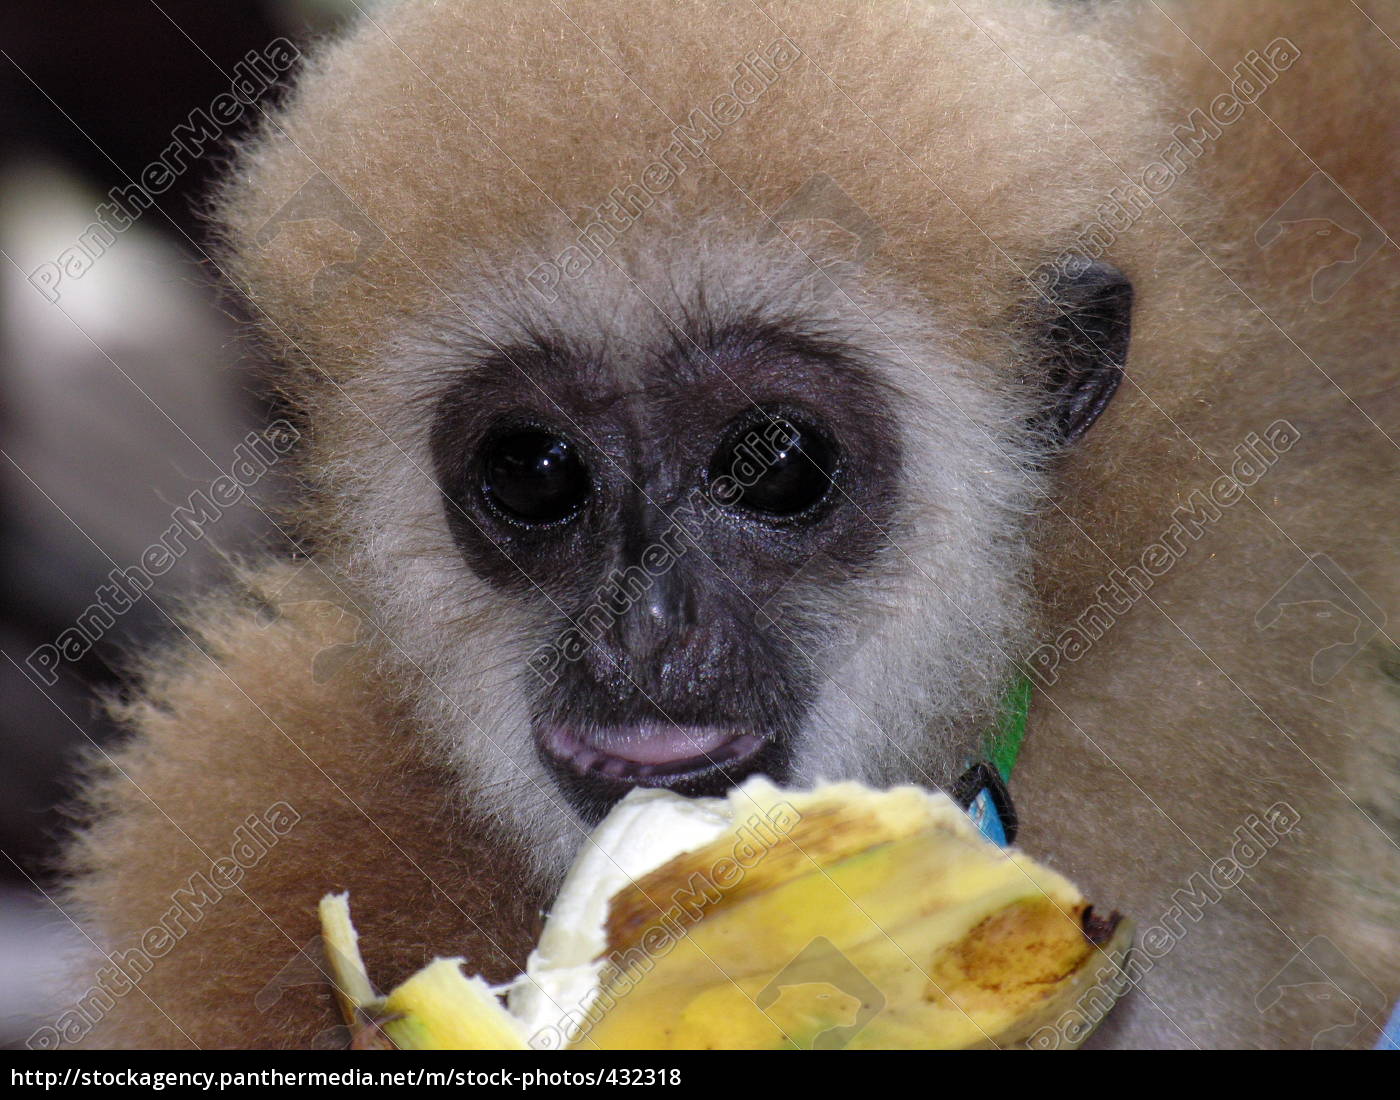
(662, 614)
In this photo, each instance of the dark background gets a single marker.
(116, 403)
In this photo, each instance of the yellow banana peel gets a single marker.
(841, 917)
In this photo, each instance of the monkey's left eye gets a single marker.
(782, 468)
(533, 476)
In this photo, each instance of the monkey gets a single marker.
(692, 391)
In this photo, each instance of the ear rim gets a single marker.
(1085, 340)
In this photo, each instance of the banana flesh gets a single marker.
(841, 917)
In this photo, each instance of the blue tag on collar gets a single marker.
(983, 812)
(1390, 1037)
(982, 792)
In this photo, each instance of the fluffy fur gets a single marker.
(981, 138)
(953, 574)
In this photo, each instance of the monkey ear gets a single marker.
(1083, 336)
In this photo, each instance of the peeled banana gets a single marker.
(840, 917)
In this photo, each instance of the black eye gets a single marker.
(781, 467)
(533, 476)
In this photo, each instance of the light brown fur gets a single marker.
(1187, 718)
(980, 159)
(230, 726)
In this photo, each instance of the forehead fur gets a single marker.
(448, 126)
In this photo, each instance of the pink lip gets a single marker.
(640, 751)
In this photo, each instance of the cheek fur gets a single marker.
(910, 651)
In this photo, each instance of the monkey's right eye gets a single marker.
(533, 476)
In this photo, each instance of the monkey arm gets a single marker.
(255, 780)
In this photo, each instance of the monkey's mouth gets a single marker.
(650, 754)
(595, 765)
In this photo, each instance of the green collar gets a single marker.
(981, 790)
(1010, 733)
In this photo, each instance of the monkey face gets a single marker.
(564, 321)
(692, 520)
(654, 514)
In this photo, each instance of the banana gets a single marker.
(776, 919)
(438, 1008)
